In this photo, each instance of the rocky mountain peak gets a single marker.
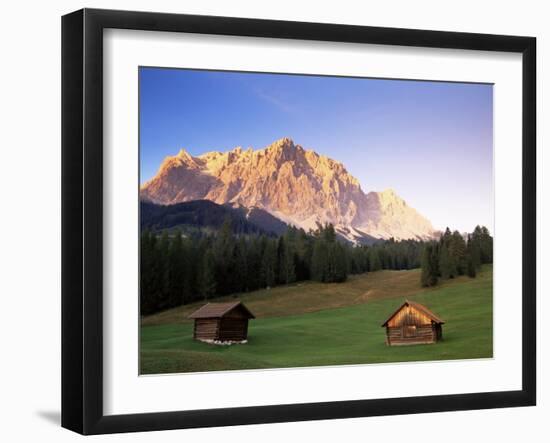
(284, 143)
(284, 149)
(184, 155)
(389, 197)
(388, 192)
(300, 187)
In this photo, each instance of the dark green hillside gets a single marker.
(208, 216)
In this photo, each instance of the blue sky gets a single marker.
(430, 141)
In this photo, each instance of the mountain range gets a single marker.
(297, 186)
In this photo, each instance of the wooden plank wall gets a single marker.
(422, 334)
(233, 329)
(206, 329)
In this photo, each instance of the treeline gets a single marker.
(176, 270)
(453, 255)
(392, 254)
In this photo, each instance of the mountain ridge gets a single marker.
(298, 186)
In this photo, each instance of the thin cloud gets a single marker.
(275, 101)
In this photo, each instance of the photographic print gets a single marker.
(292, 220)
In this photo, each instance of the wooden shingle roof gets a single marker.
(218, 310)
(423, 309)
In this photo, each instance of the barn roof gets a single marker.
(218, 310)
(418, 307)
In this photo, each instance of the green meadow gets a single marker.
(316, 324)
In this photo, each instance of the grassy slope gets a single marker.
(304, 297)
(345, 329)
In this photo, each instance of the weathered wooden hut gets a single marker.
(221, 322)
(413, 323)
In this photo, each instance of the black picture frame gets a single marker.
(82, 218)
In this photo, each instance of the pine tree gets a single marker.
(359, 260)
(482, 237)
(269, 264)
(241, 266)
(429, 269)
(374, 260)
(194, 249)
(164, 271)
(476, 252)
(457, 252)
(435, 263)
(426, 275)
(223, 250)
(254, 264)
(445, 266)
(287, 272)
(471, 268)
(302, 253)
(473, 250)
(319, 264)
(178, 273)
(330, 263)
(328, 233)
(340, 268)
(148, 291)
(207, 279)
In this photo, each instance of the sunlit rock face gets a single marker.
(296, 185)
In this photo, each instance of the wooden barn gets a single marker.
(221, 322)
(413, 323)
